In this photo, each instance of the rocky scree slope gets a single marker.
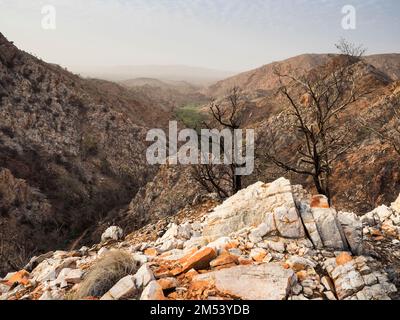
(71, 151)
(268, 242)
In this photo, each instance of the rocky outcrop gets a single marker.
(271, 205)
(256, 245)
(276, 212)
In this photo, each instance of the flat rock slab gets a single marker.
(269, 281)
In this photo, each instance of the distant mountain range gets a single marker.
(194, 75)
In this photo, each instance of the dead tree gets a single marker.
(314, 117)
(350, 49)
(222, 178)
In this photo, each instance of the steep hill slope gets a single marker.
(76, 146)
(263, 78)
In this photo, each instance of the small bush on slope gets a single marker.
(106, 272)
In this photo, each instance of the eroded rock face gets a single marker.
(255, 205)
(257, 282)
(276, 210)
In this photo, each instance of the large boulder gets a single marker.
(255, 205)
(268, 281)
(112, 233)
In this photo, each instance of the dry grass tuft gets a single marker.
(106, 272)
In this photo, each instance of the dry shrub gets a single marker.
(105, 273)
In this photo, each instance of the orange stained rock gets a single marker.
(200, 286)
(176, 271)
(162, 272)
(389, 229)
(173, 295)
(191, 273)
(91, 298)
(232, 245)
(376, 232)
(343, 258)
(167, 283)
(319, 201)
(152, 252)
(225, 266)
(298, 266)
(21, 277)
(198, 260)
(224, 259)
(285, 265)
(301, 275)
(245, 261)
(260, 256)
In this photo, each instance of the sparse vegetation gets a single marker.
(190, 115)
(89, 146)
(108, 270)
(385, 123)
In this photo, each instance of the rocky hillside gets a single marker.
(264, 79)
(268, 242)
(71, 150)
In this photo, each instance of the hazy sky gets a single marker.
(224, 34)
